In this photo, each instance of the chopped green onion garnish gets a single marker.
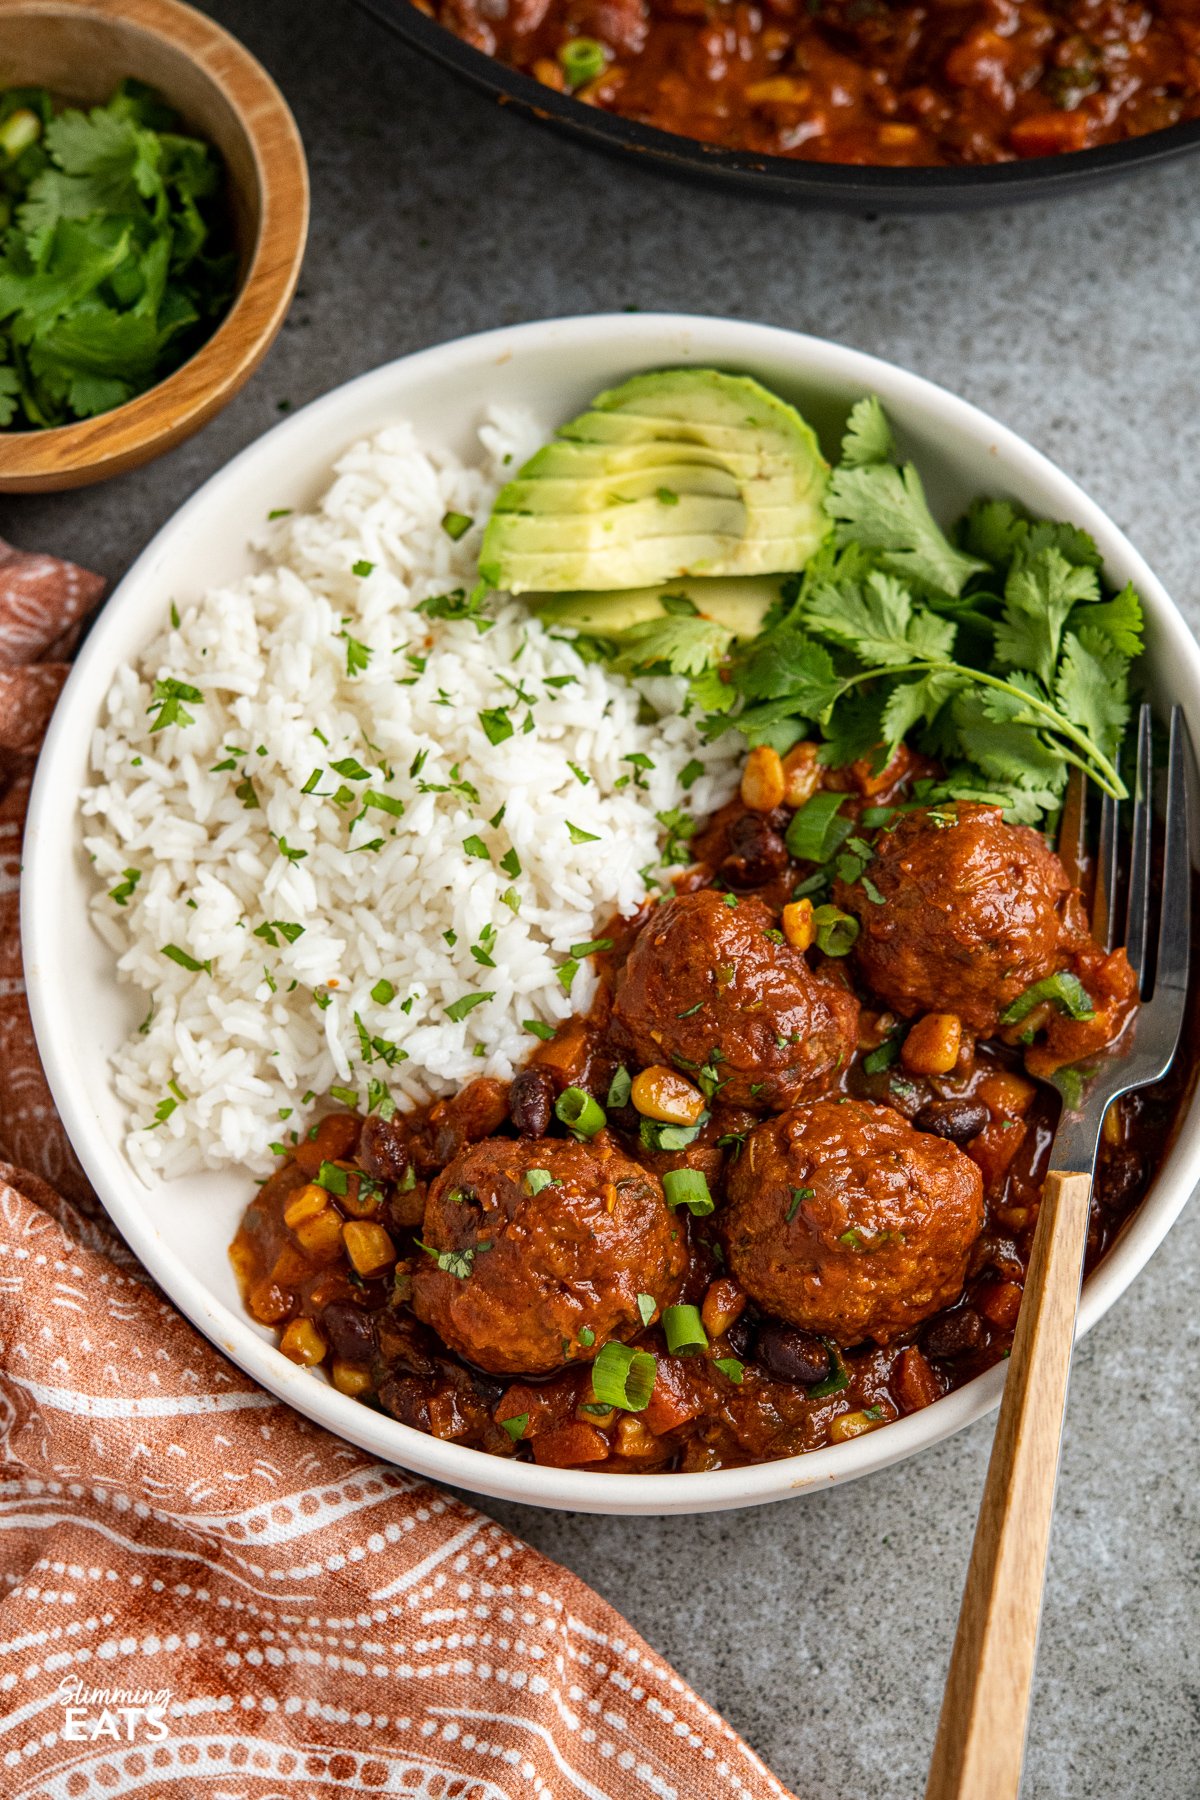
(688, 1187)
(383, 992)
(582, 59)
(587, 1336)
(818, 830)
(1065, 990)
(456, 524)
(576, 1109)
(623, 1377)
(362, 568)
(683, 1329)
(837, 931)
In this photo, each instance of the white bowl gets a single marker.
(181, 1229)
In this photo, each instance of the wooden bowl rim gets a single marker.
(191, 394)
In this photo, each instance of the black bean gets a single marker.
(531, 1101)
(350, 1330)
(740, 1337)
(954, 1334)
(756, 853)
(791, 1355)
(384, 1149)
(958, 1120)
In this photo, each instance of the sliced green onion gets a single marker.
(582, 60)
(515, 1426)
(688, 1187)
(837, 931)
(731, 1368)
(456, 524)
(1065, 990)
(884, 1055)
(684, 1332)
(818, 830)
(576, 1109)
(623, 1377)
(619, 1087)
(587, 1336)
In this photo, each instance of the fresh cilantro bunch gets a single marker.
(994, 650)
(115, 256)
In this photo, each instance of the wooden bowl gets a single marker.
(82, 49)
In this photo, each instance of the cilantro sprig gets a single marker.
(995, 650)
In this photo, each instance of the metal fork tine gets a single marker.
(1072, 827)
(1174, 931)
(1105, 890)
(1138, 930)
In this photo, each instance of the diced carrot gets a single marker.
(569, 1445)
(914, 1383)
(994, 1148)
(337, 1135)
(1050, 133)
(999, 1301)
(675, 1398)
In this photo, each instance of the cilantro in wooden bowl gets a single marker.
(117, 259)
(153, 212)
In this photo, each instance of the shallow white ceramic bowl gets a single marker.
(181, 1230)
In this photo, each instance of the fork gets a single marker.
(980, 1740)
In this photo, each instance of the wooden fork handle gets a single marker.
(981, 1734)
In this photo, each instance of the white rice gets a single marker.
(234, 1052)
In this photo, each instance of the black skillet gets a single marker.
(841, 187)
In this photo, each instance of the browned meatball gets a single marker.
(550, 1243)
(970, 911)
(711, 986)
(844, 1220)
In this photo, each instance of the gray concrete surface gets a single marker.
(820, 1627)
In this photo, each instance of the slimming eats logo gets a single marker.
(123, 1715)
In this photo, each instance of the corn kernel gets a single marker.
(634, 1439)
(799, 926)
(322, 1236)
(898, 136)
(306, 1203)
(763, 785)
(348, 1379)
(549, 74)
(724, 1304)
(302, 1343)
(801, 774)
(933, 1044)
(851, 1425)
(368, 1246)
(663, 1094)
(779, 90)
(1113, 1131)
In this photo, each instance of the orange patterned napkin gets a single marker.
(204, 1594)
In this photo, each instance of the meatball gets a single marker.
(959, 912)
(710, 985)
(541, 1247)
(844, 1220)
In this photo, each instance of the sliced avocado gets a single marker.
(738, 602)
(683, 472)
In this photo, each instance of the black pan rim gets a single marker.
(851, 187)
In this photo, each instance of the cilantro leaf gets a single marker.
(883, 508)
(868, 436)
(1091, 687)
(878, 621)
(1039, 597)
(1120, 619)
(686, 645)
